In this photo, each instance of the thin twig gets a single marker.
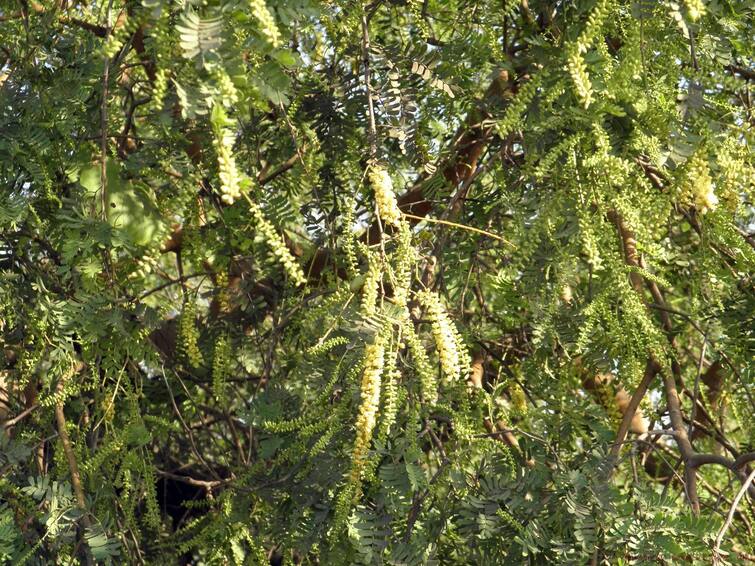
(208, 485)
(285, 166)
(696, 393)
(461, 226)
(21, 416)
(730, 516)
(172, 282)
(186, 427)
(368, 88)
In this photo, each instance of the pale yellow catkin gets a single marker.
(387, 204)
(371, 286)
(390, 396)
(446, 337)
(698, 185)
(230, 189)
(695, 9)
(374, 361)
(276, 244)
(268, 27)
(405, 261)
(578, 71)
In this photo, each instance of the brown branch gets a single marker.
(682, 440)
(651, 369)
(208, 485)
(137, 43)
(65, 440)
(21, 416)
(743, 72)
(691, 459)
(736, 464)
(97, 30)
(669, 380)
(263, 178)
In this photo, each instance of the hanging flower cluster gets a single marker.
(387, 205)
(374, 361)
(698, 186)
(371, 287)
(230, 180)
(447, 338)
(189, 336)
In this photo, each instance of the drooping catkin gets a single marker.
(575, 62)
(406, 258)
(427, 380)
(371, 286)
(387, 204)
(390, 397)
(275, 242)
(697, 185)
(230, 179)
(267, 26)
(221, 358)
(189, 336)
(695, 9)
(349, 249)
(447, 340)
(578, 70)
(374, 361)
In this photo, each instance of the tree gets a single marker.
(399, 282)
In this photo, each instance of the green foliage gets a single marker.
(344, 282)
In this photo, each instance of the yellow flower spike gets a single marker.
(447, 339)
(387, 204)
(405, 261)
(371, 286)
(698, 185)
(578, 71)
(428, 382)
(268, 27)
(230, 188)
(695, 9)
(189, 335)
(374, 361)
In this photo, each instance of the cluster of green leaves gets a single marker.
(189, 237)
